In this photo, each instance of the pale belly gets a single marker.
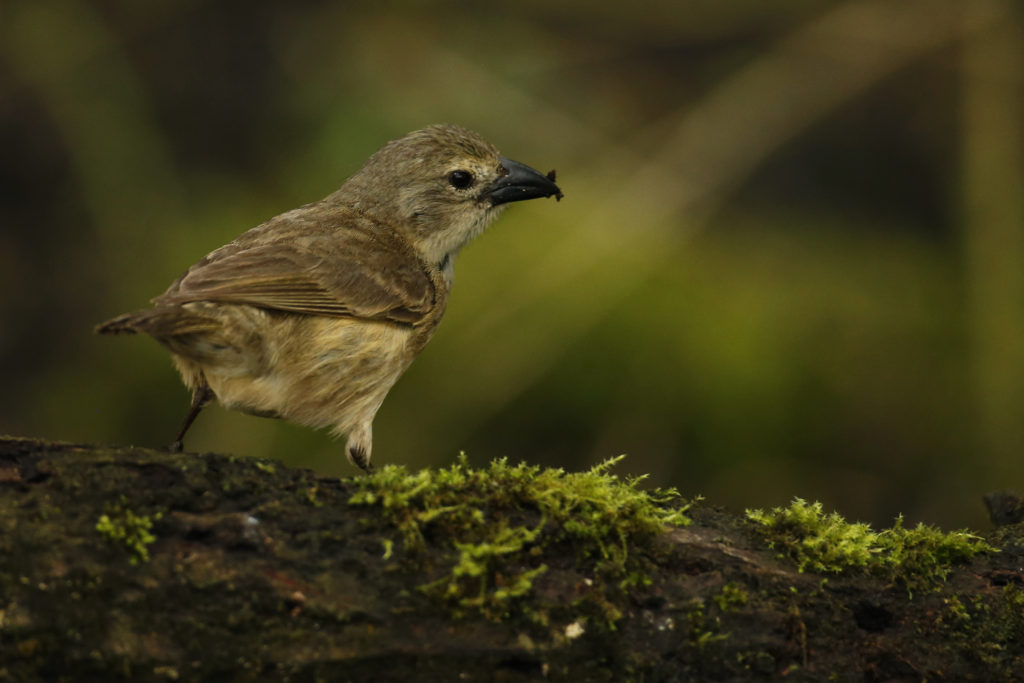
(315, 371)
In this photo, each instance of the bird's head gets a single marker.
(443, 185)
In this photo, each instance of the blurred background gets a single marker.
(790, 259)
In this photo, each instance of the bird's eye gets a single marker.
(460, 180)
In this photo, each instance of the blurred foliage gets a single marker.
(790, 260)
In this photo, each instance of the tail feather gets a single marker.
(161, 321)
(122, 324)
(193, 335)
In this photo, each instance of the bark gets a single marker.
(136, 564)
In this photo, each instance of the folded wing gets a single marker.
(368, 274)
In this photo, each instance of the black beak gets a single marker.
(521, 182)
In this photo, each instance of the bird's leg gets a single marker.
(200, 397)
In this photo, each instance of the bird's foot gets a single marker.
(361, 459)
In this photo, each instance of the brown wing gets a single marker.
(358, 271)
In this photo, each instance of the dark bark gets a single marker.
(254, 571)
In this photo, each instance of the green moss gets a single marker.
(919, 558)
(311, 497)
(122, 526)
(501, 518)
(731, 597)
(701, 630)
(1008, 620)
(984, 628)
(957, 610)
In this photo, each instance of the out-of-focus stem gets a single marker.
(993, 211)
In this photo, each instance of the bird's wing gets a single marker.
(358, 276)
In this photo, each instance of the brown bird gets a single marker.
(313, 315)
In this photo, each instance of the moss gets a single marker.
(310, 495)
(919, 558)
(263, 466)
(122, 526)
(501, 519)
(474, 566)
(983, 629)
(957, 610)
(702, 631)
(730, 597)
(1008, 617)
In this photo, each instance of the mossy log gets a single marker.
(142, 565)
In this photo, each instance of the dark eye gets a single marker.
(460, 180)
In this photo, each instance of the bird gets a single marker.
(313, 316)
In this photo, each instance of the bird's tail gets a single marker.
(122, 324)
(160, 321)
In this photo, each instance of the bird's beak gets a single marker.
(521, 182)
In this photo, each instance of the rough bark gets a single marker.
(251, 571)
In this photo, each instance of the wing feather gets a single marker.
(325, 266)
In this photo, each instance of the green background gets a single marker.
(790, 259)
